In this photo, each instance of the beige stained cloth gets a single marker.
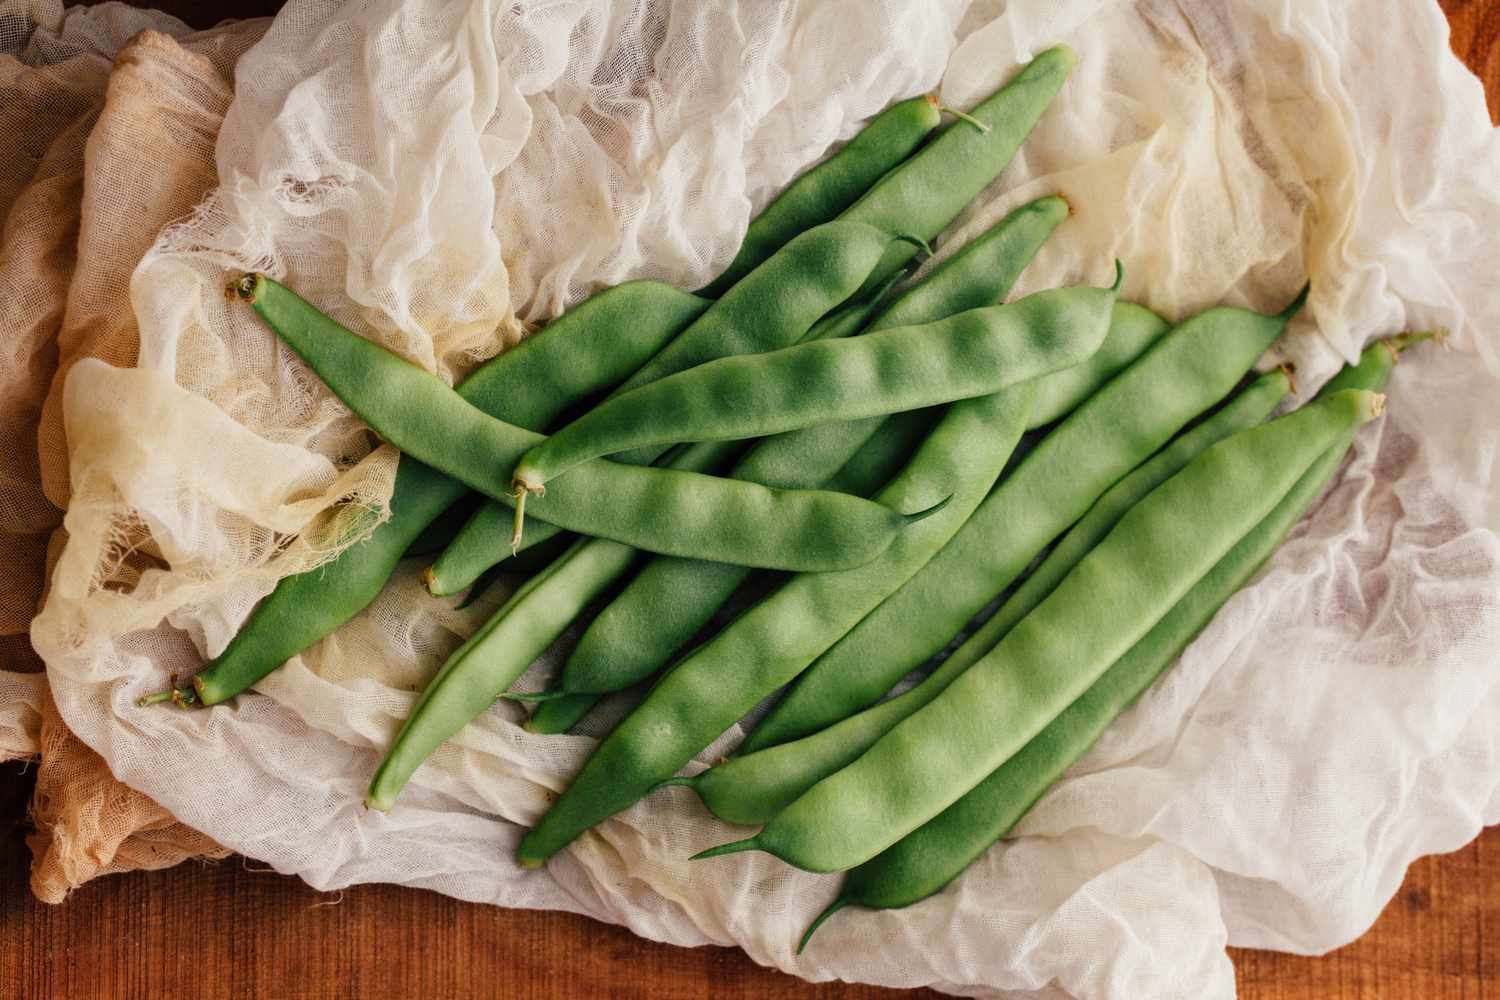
(111, 155)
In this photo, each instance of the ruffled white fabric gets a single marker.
(442, 175)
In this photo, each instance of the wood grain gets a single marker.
(230, 932)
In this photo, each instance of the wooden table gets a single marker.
(229, 931)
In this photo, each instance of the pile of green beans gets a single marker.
(900, 459)
(1186, 372)
(924, 861)
(531, 385)
(670, 600)
(752, 788)
(1109, 601)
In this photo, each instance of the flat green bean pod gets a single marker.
(833, 185)
(790, 292)
(529, 385)
(1187, 371)
(522, 629)
(656, 509)
(1244, 411)
(927, 859)
(768, 644)
(753, 788)
(877, 461)
(925, 193)
(670, 600)
(1110, 600)
(485, 539)
(974, 353)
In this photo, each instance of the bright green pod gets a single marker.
(670, 600)
(1185, 373)
(529, 385)
(752, 788)
(833, 185)
(766, 645)
(927, 859)
(656, 509)
(926, 193)
(922, 195)
(974, 353)
(1111, 600)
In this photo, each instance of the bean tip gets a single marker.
(1290, 371)
(243, 287)
(733, 847)
(828, 911)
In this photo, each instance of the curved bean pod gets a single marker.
(528, 385)
(832, 186)
(768, 644)
(693, 585)
(930, 857)
(670, 600)
(660, 510)
(1244, 411)
(752, 788)
(485, 539)
(974, 353)
(1111, 599)
(925, 193)
(1186, 372)
(523, 628)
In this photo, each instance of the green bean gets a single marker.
(1132, 330)
(485, 539)
(752, 788)
(1246, 410)
(656, 509)
(880, 458)
(802, 281)
(832, 186)
(927, 859)
(527, 385)
(766, 645)
(975, 353)
(1134, 414)
(522, 629)
(672, 599)
(1110, 600)
(926, 192)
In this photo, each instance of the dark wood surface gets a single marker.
(227, 930)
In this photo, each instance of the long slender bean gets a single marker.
(752, 788)
(930, 857)
(1110, 600)
(832, 186)
(1244, 411)
(656, 509)
(975, 353)
(768, 644)
(484, 539)
(521, 630)
(926, 192)
(670, 600)
(880, 458)
(1184, 373)
(528, 385)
